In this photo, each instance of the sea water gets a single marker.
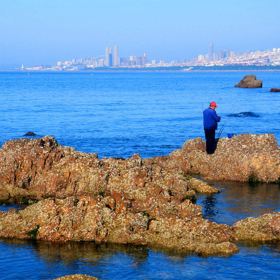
(149, 113)
(119, 114)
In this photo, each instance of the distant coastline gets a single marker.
(158, 69)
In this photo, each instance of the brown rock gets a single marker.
(242, 158)
(39, 168)
(76, 277)
(133, 201)
(249, 81)
(202, 187)
(263, 228)
(178, 226)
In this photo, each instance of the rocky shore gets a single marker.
(243, 158)
(79, 197)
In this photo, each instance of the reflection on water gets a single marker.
(240, 200)
(43, 260)
(6, 207)
(209, 206)
(90, 252)
(56, 259)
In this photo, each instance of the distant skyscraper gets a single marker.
(145, 59)
(108, 57)
(211, 51)
(116, 58)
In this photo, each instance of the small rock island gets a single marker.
(249, 81)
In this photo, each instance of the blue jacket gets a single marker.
(210, 119)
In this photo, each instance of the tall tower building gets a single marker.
(145, 59)
(116, 57)
(211, 51)
(108, 57)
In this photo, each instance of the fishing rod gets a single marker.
(221, 131)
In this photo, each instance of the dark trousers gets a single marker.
(210, 140)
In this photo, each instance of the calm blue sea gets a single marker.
(119, 114)
(150, 113)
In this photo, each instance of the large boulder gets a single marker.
(249, 81)
(244, 158)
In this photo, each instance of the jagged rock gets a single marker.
(175, 226)
(275, 90)
(202, 187)
(41, 168)
(77, 277)
(249, 81)
(247, 157)
(263, 228)
(132, 201)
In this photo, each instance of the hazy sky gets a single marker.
(44, 31)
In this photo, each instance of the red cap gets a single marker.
(213, 104)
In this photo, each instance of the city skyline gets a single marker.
(214, 57)
(42, 32)
(113, 58)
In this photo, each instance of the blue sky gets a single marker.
(44, 31)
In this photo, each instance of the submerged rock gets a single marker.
(249, 81)
(263, 228)
(275, 90)
(30, 133)
(244, 115)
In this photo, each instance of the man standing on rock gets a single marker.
(210, 120)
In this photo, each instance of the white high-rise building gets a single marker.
(211, 52)
(116, 57)
(108, 57)
(144, 59)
